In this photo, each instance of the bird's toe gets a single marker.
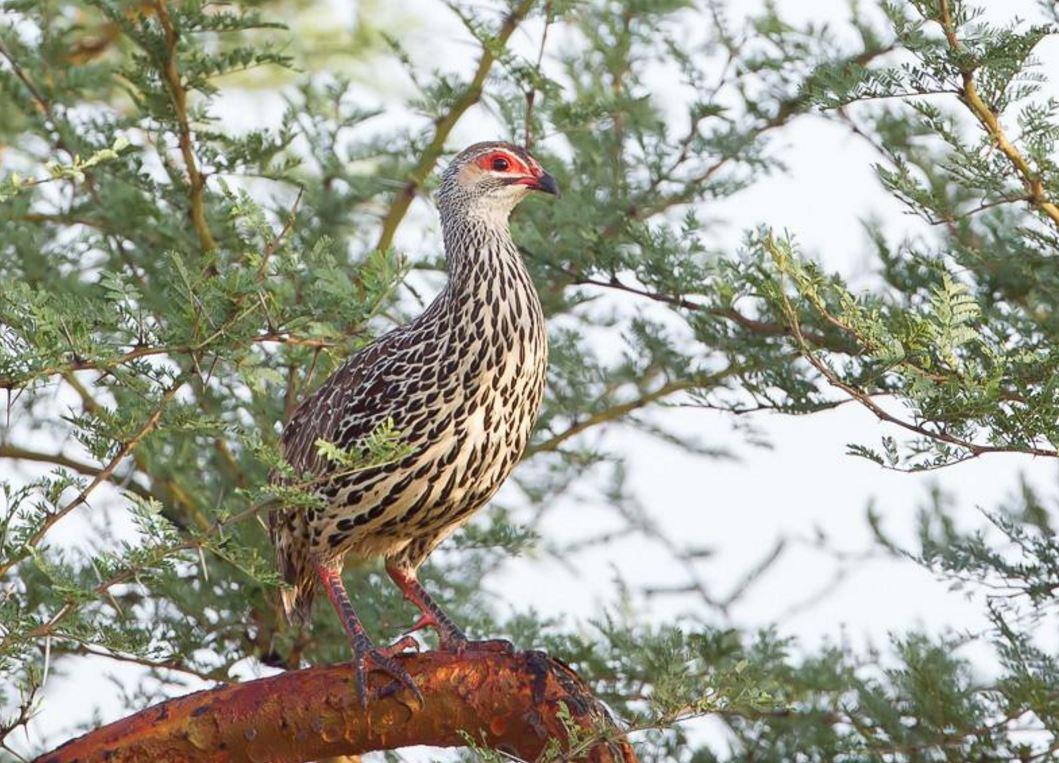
(367, 658)
(382, 660)
(404, 644)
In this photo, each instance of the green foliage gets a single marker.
(175, 280)
(382, 446)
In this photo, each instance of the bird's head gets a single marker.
(487, 180)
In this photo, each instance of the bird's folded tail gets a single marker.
(296, 569)
(297, 599)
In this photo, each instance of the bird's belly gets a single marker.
(468, 467)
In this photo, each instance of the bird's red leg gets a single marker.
(365, 654)
(450, 636)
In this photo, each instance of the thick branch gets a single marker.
(509, 702)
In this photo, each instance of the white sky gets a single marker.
(739, 508)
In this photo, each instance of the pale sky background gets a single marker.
(736, 507)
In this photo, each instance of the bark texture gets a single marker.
(507, 701)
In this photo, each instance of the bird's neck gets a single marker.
(480, 252)
(489, 294)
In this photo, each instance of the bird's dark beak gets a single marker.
(547, 184)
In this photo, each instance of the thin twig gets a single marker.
(531, 94)
(178, 96)
(104, 364)
(277, 240)
(808, 352)
(17, 453)
(622, 409)
(104, 474)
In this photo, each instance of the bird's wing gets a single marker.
(349, 403)
(346, 407)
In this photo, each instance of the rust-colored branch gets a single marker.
(508, 702)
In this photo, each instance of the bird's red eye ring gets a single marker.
(499, 161)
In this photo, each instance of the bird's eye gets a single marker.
(500, 164)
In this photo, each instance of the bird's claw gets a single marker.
(368, 657)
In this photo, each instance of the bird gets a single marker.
(461, 384)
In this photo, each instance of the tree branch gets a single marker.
(974, 449)
(17, 453)
(509, 702)
(103, 475)
(754, 325)
(988, 118)
(619, 410)
(106, 363)
(178, 94)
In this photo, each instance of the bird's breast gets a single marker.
(465, 398)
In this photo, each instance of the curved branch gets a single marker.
(513, 702)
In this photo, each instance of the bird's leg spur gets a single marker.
(450, 636)
(366, 656)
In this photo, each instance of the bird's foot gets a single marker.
(367, 657)
(450, 637)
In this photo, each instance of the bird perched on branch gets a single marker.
(461, 383)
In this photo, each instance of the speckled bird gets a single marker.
(461, 384)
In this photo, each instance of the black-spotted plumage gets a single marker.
(461, 383)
